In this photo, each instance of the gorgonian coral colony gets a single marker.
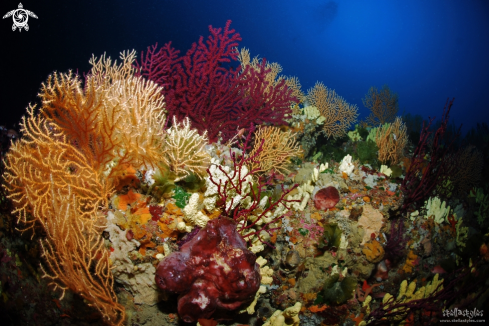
(193, 172)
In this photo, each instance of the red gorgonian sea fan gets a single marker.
(203, 85)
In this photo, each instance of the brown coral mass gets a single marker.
(326, 198)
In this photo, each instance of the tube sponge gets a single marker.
(438, 209)
(346, 164)
(288, 317)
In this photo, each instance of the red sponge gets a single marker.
(214, 273)
(326, 198)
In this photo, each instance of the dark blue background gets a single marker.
(425, 50)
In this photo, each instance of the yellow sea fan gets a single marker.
(277, 150)
(43, 159)
(185, 152)
(339, 115)
(391, 138)
(115, 119)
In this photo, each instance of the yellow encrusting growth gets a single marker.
(407, 293)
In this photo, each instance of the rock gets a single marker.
(355, 213)
(292, 259)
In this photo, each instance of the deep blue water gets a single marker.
(425, 50)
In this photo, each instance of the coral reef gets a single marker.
(211, 182)
(75, 174)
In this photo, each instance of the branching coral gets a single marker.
(272, 77)
(223, 182)
(62, 172)
(76, 255)
(422, 178)
(82, 134)
(275, 153)
(391, 138)
(267, 99)
(185, 150)
(216, 98)
(51, 182)
(197, 85)
(469, 161)
(115, 120)
(339, 115)
(250, 209)
(383, 105)
(42, 161)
